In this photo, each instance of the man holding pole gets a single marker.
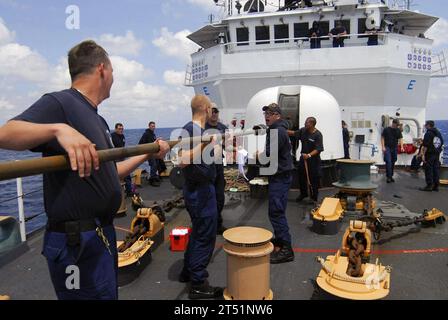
(200, 200)
(279, 182)
(80, 204)
(309, 164)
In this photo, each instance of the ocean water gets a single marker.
(32, 186)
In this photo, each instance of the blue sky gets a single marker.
(147, 44)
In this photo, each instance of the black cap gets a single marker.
(273, 107)
(430, 123)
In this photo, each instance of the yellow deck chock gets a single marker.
(372, 281)
(434, 215)
(327, 217)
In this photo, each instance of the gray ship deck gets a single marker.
(418, 255)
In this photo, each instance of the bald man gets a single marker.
(200, 201)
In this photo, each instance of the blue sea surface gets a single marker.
(32, 186)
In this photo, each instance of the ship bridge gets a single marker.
(263, 47)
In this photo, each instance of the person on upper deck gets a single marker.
(315, 33)
(338, 34)
(373, 35)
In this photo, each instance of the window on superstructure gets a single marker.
(301, 30)
(242, 36)
(346, 24)
(281, 33)
(262, 34)
(362, 27)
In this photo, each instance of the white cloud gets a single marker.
(126, 45)
(176, 44)
(25, 76)
(6, 105)
(439, 33)
(175, 78)
(6, 36)
(128, 70)
(20, 61)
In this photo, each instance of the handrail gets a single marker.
(303, 39)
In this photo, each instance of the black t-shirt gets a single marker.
(219, 126)
(373, 37)
(118, 140)
(198, 173)
(391, 137)
(433, 141)
(66, 195)
(310, 141)
(148, 136)
(338, 30)
(316, 39)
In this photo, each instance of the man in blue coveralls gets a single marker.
(200, 200)
(430, 154)
(80, 203)
(220, 182)
(279, 184)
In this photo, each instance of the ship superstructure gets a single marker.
(263, 44)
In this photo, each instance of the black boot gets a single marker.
(204, 291)
(427, 188)
(435, 188)
(276, 242)
(285, 254)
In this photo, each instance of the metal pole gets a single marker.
(21, 211)
(29, 167)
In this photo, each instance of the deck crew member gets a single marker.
(430, 155)
(390, 138)
(279, 183)
(119, 141)
(338, 34)
(373, 36)
(80, 204)
(149, 136)
(220, 181)
(309, 164)
(346, 139)
(200, 200)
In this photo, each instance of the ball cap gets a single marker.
(273, 107)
